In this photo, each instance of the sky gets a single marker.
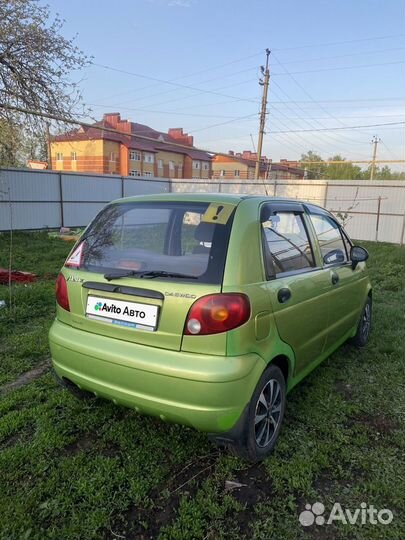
(195, 64)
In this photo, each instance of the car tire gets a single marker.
(265, 414)
(364, 327)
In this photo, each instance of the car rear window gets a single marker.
(170, 237)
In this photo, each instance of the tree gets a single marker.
(10, 143)
(316, 170)
(344, 171)
(18, 145)
(36, 62)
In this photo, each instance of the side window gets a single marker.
(286, 241)
(329, 238)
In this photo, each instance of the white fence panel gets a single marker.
(370, 210)
(88, 188)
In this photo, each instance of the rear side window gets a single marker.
(286, 241)
(166, 237)
(329, 235)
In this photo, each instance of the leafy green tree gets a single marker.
(18, 145)
(344, 171)
(315, 170)
(36, 64)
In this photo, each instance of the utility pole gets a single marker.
(374, 142)
(48, 145)
(265, 83)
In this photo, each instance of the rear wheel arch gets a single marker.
(283, 363)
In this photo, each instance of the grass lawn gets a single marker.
(91, 470)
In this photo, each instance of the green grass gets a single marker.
(75, 470)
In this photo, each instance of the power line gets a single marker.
(223, 123)
(330, 43)
(192, 74)
(360, 100)
(296, 135)
(68, 120)
(182, 98)
(336, 128)
(154, 111)
(148, 96)
(310, 123)
(341, 68)
(309, 95)
(185, 86)
(378, 51)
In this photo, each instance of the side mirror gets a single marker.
(335, 256)
(358, 254)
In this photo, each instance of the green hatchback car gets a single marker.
(207, 309)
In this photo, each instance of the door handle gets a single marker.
(334, 278)
(283, 295)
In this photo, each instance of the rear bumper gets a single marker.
(206, 392)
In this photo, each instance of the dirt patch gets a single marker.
(145, 523)
(345, 389)
(378, 423)
(83, 444)
(256, 487)
(25, 378)
(19, 437)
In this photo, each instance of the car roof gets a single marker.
(232, 198)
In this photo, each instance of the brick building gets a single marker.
(92, 150)
(241, 166)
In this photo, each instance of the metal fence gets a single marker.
(370, 210)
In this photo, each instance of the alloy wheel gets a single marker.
(268, 412)
(366, 321)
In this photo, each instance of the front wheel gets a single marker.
(264, 417)
(364, 327)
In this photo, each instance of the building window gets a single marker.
(134, 172)
(73, 156)
(237, 172)
(222, 172)
(134, 155)
(148, 158)
(59, 156)
(171, 165)
(160, 163)
(147, 173)
(113, 156)
(196, 164)
(206, 166)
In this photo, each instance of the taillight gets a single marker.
(61, 292)
(217, 313)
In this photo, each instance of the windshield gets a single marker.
(161, 239)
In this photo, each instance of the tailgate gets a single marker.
(145, 311)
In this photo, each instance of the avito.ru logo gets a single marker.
(314, 513)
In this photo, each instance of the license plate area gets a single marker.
(122, 313)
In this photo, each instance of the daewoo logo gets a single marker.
(180, 295)
(112, 308)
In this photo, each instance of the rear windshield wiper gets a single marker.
(148, 274)
(164, 273)
(122, 274)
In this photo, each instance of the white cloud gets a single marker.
(180, 3)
